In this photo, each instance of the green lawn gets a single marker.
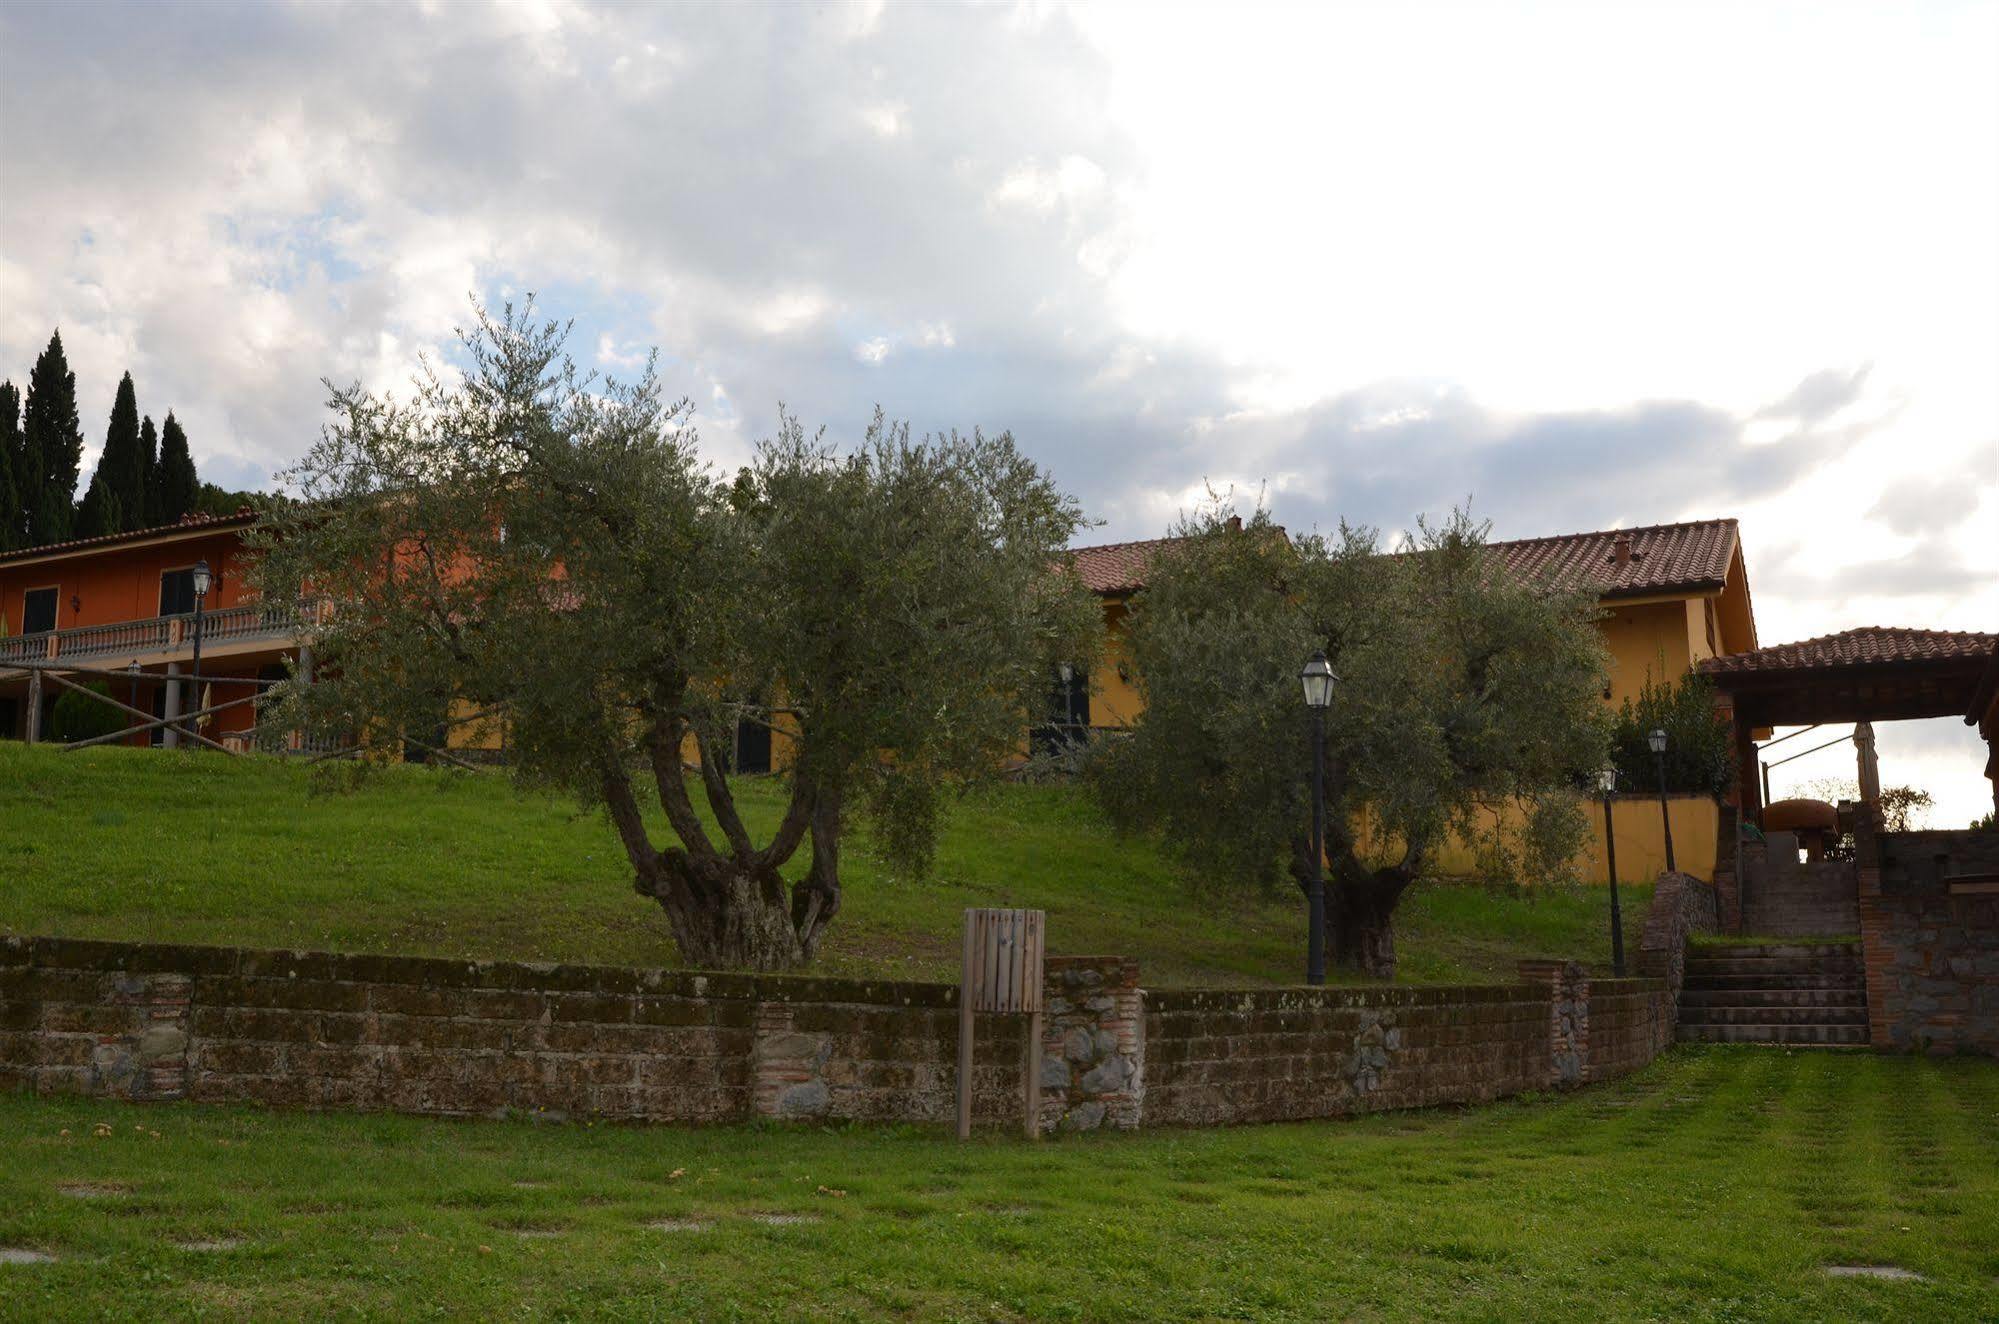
(1718, 1184)
(137, 844)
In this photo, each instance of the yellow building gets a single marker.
(1672, 595)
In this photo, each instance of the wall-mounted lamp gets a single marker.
(75, 603)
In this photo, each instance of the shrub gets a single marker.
(1699, 760)
(79, 717)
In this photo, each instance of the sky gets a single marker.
(1582, 266)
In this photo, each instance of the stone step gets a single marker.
(1779, 976)
(1822, 980)
(1821, 1036)
(1840, 956)
(1755, 1015)
(1738, 949)
(1692, 996)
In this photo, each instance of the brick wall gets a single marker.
(456, 1038)
(1929, 926)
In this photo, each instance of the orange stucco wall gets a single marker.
(123, 583)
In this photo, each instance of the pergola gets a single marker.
(1871, 674)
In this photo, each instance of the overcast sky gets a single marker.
(1587, 265)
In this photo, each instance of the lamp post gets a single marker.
(1066, 672)
(1318, 679)
(203, 581)
(1657, 740)
(1606, 783)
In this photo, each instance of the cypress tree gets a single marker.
(51, 447)
(98, 513)
(121, 468)
(13, 515)
(179, 488)
(149, 460)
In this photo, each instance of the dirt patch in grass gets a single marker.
(23, 1255)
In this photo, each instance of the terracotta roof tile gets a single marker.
(1867, 645)
(1664, 558)
(190, 522)
(1117, 567)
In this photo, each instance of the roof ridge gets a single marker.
(189, 521)
(1129, 542)
(1712, 522)
(1852, 630)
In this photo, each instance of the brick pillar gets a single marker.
(149, 1060)
(1728, 869)
(1092, 1044)
(1876, 953)
(790, 1065)
(1568, 1018)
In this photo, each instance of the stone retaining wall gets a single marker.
(457, 1038)
(1682, 906)
(1929, 925)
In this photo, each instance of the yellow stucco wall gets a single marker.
(1114, 700)
(1641, 840)
(1657, 640)
(1651, 640)
(468, 732)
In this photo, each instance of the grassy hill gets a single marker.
(136, 844)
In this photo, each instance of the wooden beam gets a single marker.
(151, 721)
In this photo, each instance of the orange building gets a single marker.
(125, 604)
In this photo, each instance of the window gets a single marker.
(176, 592)
(38, 610)
(1067, 721)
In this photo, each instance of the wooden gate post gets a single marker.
(34, 704)
(1002, 973)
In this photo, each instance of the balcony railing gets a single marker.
(158, 634)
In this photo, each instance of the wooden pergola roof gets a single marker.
(1870, 674)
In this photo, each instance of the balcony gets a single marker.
(156, 638)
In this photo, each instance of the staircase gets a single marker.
(1775, 993)
(1788, 898)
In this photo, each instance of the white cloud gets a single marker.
(1591, 265)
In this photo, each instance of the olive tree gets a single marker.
(523, 540)
(1466, 696)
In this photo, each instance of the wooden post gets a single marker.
(34, 704)
(965, 994)
(1869, 767)
(1002, 974)
(1031, 970)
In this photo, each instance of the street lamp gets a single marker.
(203, 581)
(1066, 672)
(1657, 740)
(1606, 784)
(1318, 680)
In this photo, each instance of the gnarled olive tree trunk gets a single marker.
(728, 905)
(1360, 901)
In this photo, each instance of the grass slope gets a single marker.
(1716, 1185)
(138, 844)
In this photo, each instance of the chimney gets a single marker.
(1620, 551)
(1235, 524)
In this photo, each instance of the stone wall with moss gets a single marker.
(456, 1038)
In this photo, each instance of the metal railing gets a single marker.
(157, 634)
